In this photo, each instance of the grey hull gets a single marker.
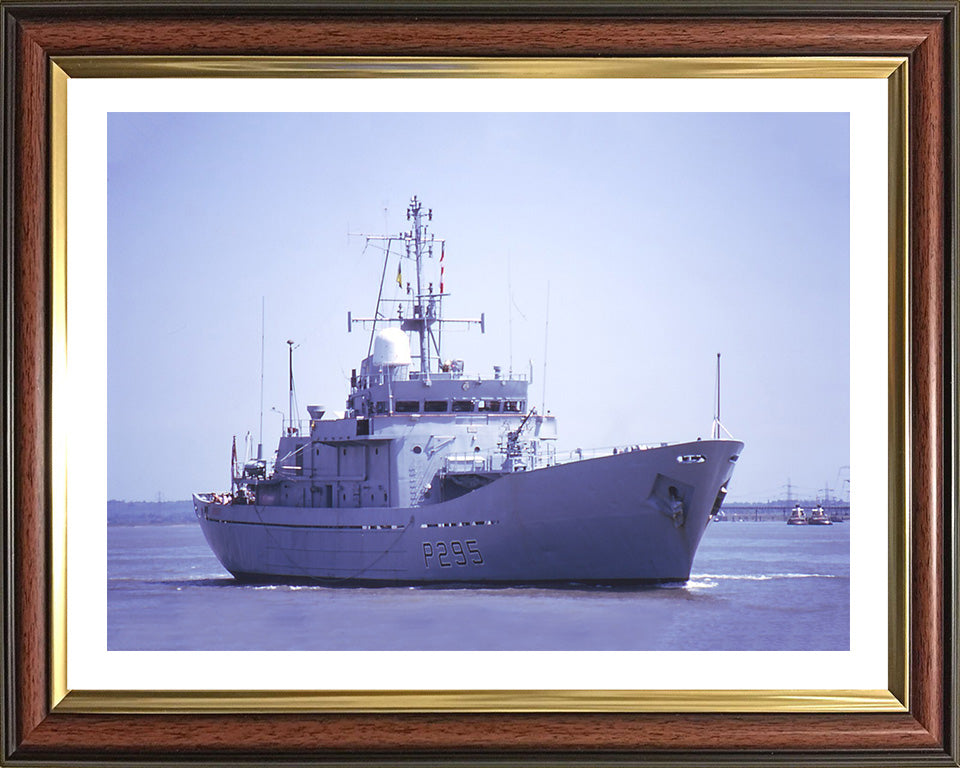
(631, 517)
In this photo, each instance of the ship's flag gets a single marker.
(443, 246)
(399, 276)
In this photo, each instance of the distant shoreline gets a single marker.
(178, 512)
(150, 512)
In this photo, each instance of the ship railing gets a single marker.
(464, 376)
(297, 428)
(579, 454)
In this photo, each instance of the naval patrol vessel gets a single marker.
(436, 475)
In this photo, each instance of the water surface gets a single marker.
(755, 586)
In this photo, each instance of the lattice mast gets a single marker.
(424, 307)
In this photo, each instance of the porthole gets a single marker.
(417, 449)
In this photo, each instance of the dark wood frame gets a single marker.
(926, 32)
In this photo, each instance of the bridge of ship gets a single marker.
(438, 393)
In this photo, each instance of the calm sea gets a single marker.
(755, 586)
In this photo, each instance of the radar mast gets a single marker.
(420, 310)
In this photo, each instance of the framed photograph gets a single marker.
(468, 384)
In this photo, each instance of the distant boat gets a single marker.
(797, 517)
(818, 516)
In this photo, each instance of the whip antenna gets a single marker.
(546, 330)
(260, 439)
(718, 430)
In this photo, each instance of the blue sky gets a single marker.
(664, 238)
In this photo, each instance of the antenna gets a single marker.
(292, 346)
(233, 465)
(383, 276)
(376, 312)
(509, 319)
(718, 430)
(260, 441)
(424, 307)
(716, 415)
(546, 329)
(419, 235)
(511, 306)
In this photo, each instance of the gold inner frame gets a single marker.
(895, 699)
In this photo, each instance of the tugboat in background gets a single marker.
(818, 516)
(797, 517)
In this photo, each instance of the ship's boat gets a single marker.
(797, 516)
(818, 516)
(436, 475)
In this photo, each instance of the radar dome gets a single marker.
(391, 347)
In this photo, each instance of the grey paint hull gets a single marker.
(630, 517)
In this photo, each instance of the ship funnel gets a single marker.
(391, 348)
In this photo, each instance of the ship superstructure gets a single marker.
(434, 474)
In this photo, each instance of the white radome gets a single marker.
(391, 347)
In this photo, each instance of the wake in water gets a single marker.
(712, 580)
(763, 576)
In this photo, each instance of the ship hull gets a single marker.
(632, 517)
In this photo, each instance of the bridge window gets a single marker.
(490, 405)
(462, 406)
(513, 406)
(408, 406)
(381, 407)
(435, 406)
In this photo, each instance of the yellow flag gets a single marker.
(399, 276)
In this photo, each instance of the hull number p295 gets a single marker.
(450, 554)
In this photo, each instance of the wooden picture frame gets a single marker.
(37, 731)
